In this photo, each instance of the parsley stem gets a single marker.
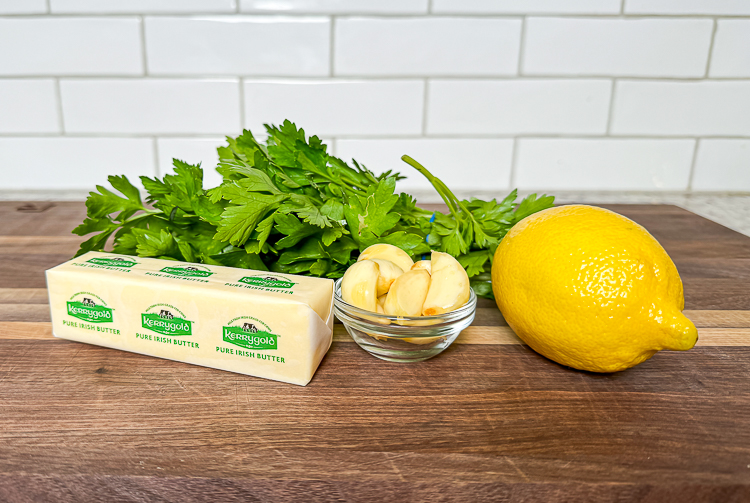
(146, 213)
(440, 187)
(454, 204)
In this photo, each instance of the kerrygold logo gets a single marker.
(188, 271)
(112, 262)
(89, 307)
(267, 281)
(166, 320)
(249, 333)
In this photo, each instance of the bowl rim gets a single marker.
(368, 316)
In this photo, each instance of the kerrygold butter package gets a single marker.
(277, 326)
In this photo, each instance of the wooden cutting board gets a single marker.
(488, 419)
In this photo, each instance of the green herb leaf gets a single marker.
(247, 208)
(155, 243)
(474, 262)
(293, 229)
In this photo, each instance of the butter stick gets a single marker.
(276, 326)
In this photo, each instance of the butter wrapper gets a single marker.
(275, 326)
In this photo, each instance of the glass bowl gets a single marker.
(402, 338)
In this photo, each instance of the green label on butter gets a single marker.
(89, 307)
(166, 320)
(188, 270)
(267, 281)
(250, 333)
(112, 262)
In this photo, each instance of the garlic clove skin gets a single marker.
(408, 293)
(449, 288)
(384, 251)
(359, 286)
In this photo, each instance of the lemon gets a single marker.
(590, 289)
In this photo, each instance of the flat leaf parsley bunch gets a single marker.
(288, 206)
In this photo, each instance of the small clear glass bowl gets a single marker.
(403, 338)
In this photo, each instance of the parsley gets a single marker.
(286, 205)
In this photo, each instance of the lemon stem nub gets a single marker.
(680, 333)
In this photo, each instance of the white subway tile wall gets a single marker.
(23, 7)
(731, 56)
(723, 165)
(678, 7)
(518, 106)
(70, 46)
(600, 95)
(336, 6)
(337, 107)
(526, 6)
(212, 46)
(28, 106)
(73, 163)
(151, 106)
(604, 164)
(617, 47)
(702, 108)
(141, 6)
(427, 46)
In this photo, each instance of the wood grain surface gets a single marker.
(487, 420)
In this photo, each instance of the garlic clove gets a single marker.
(449, 288)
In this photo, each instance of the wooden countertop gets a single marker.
(488, 419)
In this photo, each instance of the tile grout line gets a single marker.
(49, 6)
(611, 111)
(521, 47)
(60, 118)
(622, 7)
(691, 175)
(429, 7)
(142, 25)
(711, 48)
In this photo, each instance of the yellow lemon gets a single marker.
(590, 289)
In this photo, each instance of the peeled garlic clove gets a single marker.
(408, 293)
(382, 321)
(359, 286)
(388, 252)
(381, 304)
(423, 264)
(449, 288)
(388, 274)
